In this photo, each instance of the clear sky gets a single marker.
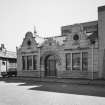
(19, 16)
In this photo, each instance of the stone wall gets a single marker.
(101, 32)
(96, 61)
(29, 73)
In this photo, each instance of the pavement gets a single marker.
(33, 91)
(98, 82)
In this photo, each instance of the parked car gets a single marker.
(9, 73)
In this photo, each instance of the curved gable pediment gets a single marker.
(29, 42)
(77, 37)
(49, 43)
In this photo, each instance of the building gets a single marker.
(8, 59)
(78, 53)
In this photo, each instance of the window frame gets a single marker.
(24, 62)
(68, 61)
(29, 62)
(86, 61)
(78, 63)
(35, 62)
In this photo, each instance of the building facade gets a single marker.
(8, 59)
(78, 53)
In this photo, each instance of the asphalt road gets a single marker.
(41, 93)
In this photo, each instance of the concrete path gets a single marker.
(16, 92)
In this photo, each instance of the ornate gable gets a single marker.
(77, 37)
(50, 43)
(29, 42)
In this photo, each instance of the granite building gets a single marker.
(78, 53)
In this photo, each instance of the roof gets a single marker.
(58, 39)
(87, 26)
(84, 24)
(7, 54)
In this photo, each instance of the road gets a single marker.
(41, 93)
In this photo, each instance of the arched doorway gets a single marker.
(50, 66)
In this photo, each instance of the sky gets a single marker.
(17, 17)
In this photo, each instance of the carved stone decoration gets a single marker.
(29, 43)
(50, 43)
(77, 38)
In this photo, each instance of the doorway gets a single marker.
(50, 66)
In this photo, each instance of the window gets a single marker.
(66, 31)
(29, 43)
(76, 61)
(50, 44)
(84, 61)
(68, 61)
(12, 60)
(75, 37)
(34, 62)
(24, 62)
(29, 62)
(3, 63)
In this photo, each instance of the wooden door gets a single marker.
(51, 66)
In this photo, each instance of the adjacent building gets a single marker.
(78, 53)
(8, 59)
